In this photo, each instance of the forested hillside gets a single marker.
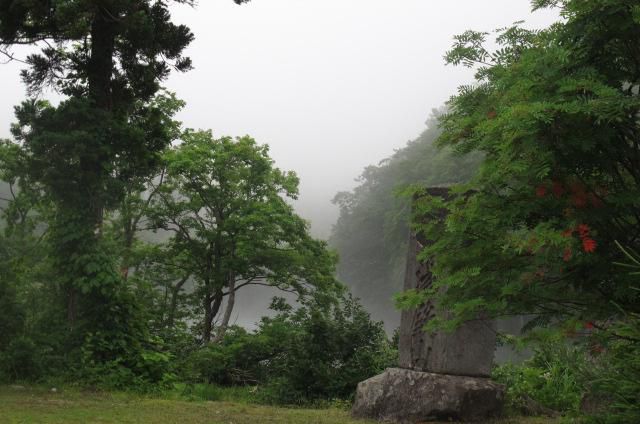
(84, 297)
(372, 230)
(127, 238)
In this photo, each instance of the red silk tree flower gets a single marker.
(588, 244)
(583, 230)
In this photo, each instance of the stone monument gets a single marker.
(441, 375)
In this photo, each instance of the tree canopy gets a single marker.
(372, 230)
(225, 204)
(107, 58)
(555, 114)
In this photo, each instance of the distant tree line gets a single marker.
(549, 225)
(372, 230)
(88, 294)
(544, 145)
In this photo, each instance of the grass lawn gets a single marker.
(36, 405)
(40, 406)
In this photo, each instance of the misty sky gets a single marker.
(330, 85)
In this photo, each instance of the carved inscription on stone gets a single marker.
(467, 351)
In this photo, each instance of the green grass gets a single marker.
(35, 405)
(38, 405)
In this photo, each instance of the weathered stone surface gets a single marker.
(469, 350)
(442, 375)
(406, 396)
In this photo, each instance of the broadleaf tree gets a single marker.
(555, 113)
(107, 58)
(226, 206)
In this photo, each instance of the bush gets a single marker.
(11, 313)
(553, 378)
(597, 377)
(15, 351)
(135, 366)
(299, 356)
(208, 392)
(617, 382)
(21, 360)
(239, 360)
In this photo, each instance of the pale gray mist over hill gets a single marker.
(330, 85)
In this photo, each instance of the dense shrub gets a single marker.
(139, 367)
(11, 314)
(596, 375)
(553, 377)
(617, 381)
(239, 360)
(21, 360)
(299, 356)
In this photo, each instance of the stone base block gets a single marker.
(406, 396)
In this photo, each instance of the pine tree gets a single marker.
(107, 58)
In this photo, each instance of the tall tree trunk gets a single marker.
(103, 32)
(99, 75)
(128, 238)
(231, 300)
(211, 310)
(100, 72)
(175, 292)
(88, 209)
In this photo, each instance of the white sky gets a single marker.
(331, 85)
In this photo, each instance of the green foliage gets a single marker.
(21, 360)
(618, 380)
(236, 361)
(98, 323)
(89, 47)
(371, 233)
(213, 392)
(82, 297)
(299, 356)
(108, 59)
(32, 405)
(558, 128)
(553, 377)
(114, 359)
(144, 370)
(537, 230)
(11, 314)
(226, 206)
(328, 355)
(25, 346)
(593, 373)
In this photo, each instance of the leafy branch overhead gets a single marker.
(555, 114)
(225, 205)
(108, 59)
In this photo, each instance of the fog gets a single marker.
(330, 85)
